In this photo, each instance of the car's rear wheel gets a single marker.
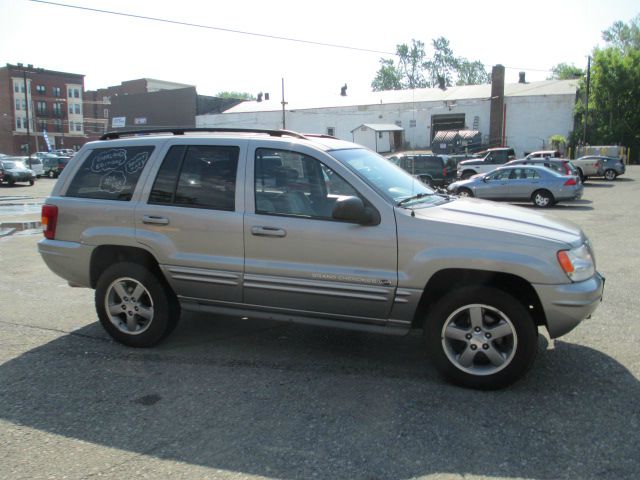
(542, 198)
(32, 182)
(481, 337)
(581, 175)
(465, 192)
(426, 179)
(134, 305)
(11, 182)
(610, 174)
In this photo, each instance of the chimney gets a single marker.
(343, 90)
(266, 96)
(496, 117)
(441, 84)
(522, 79)
(259, 97)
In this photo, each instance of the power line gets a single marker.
(254, 34)
(209, 27)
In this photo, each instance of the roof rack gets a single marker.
(182, 131)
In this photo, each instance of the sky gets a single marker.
(109, 49)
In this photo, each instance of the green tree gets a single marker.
(472, 73)
(236, 95)
(411, 63)
(622, 36)
(564, 71)
(614, 117)
(388, 77)
(417, 70)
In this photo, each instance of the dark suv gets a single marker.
(431, 169)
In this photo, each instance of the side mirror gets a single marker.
(352, 209)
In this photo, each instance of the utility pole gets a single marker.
(26, 103)
(283, 104)
(586, 112)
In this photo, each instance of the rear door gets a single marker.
(192, 219)
(301, 261)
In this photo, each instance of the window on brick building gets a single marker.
(42, 108)
(56, 91)
(41, 89)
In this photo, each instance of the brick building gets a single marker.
(148, 103)
(40, 108)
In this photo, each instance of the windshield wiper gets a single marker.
(414, 197)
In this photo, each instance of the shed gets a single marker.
(379, 137)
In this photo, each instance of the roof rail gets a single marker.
(182, 131)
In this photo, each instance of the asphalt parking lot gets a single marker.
(240, 399)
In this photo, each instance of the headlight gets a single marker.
(577, 263)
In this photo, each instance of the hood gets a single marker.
(505, 218)
(477, 161)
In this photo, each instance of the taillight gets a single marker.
(570, 182)
(444, 172)
(49, 221)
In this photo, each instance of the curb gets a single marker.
(9, 228)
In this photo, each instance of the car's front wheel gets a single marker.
(134, 305)
(465, 192)
(481, 337)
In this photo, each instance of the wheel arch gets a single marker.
(447, 280)
(107, 255)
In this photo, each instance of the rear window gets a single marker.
(110, 173)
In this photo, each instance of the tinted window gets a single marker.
(290, 183)
(198, 176)
(110, 173)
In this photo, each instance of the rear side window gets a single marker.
(110, 173)
(197, 176)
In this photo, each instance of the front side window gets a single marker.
(502, 175)
(197, 176)
(294, 184)
(110, 173)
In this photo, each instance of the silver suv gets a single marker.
(277, 225)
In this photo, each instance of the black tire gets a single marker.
(610, 174)
(11, 182)
(155, 298)
(427, 180)
(465, 192)
(32, 182)
(581, 175)
(543, 199)
(51, 174)
(514, 341)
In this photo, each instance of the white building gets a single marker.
(532, 113)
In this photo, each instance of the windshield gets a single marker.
(12, 165)
(389, 180)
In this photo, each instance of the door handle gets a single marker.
(259, 231)
(150, 219)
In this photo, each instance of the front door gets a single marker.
(301, 261)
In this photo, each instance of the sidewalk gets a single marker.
(19, 212)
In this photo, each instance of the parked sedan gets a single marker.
(12, 171)
(53, 165)
(561, 165)
(540, 185)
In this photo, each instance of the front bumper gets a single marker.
(566, 305)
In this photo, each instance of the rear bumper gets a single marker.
(69, 260)
(566, 305)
